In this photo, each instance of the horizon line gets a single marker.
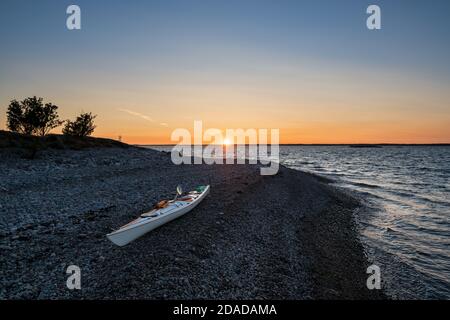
(309, 144)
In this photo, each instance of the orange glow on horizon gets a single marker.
(326, 134)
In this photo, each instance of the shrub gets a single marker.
(31, 116)
(83, 126)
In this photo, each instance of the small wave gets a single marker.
(420, 198)
(403, 194)
(366, 185)
(360, 193)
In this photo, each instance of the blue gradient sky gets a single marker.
(310, 68)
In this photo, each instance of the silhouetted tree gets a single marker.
(31, 116)
(83, 126)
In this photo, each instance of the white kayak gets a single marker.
(157, 217)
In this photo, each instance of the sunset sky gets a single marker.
(309, 68)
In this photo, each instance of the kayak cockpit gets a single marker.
(173, 204)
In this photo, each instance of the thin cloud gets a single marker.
(137, 114)
(164, 124)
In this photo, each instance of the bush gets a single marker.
(32, 117)
(83, 126)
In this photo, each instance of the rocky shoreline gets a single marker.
(289, 236)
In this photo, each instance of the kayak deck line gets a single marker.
(158, 217)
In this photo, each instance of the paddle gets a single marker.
(179, 192)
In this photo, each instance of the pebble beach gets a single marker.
(288, 236)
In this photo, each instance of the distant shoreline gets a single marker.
(329, 145)
(60, 141)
